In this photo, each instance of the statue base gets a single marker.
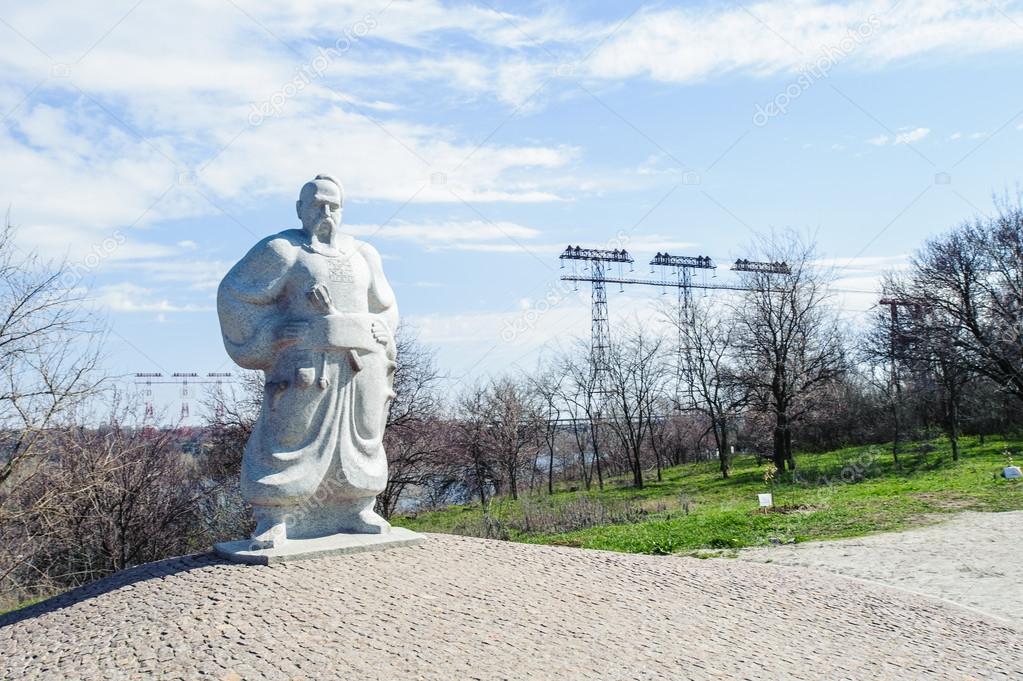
(241, 551)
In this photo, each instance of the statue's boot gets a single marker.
(362, 519)
(271, 530)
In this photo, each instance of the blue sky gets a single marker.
(153, 143)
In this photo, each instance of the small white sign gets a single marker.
(766, 500)
(1012, 472)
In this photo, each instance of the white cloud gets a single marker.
(909, 136)
(954, 136)
(770, 37)
(450, 232)
(879, 141)
(130, 297)
(861, 264)
(146, 108)
(658, 164)
(192, 273)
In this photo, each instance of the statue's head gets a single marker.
(319, 204)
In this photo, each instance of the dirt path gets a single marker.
(974, 559)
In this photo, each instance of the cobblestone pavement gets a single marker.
(462, 608)
(970, 558)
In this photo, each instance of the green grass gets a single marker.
(22, 604)
(844, 493)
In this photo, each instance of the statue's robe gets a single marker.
(320, 430)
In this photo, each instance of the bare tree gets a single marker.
(231, 412)
(788, 338)
(512, 430)
(548, 385)
(470, 455)
(972, 279)
(48, 351)
(413, 438)
(707, 380)
(49, 355)
(105, 498)
(926, 347)
(636, 379)
(585, 404)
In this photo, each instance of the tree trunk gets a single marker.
(895, 432)
(596, 458)
(778, 453)
(587, 471)
(953, 424)
(483, 490)
(788, 450)
(513, 482)
(637, 469)
(724, 455)
(550, 469)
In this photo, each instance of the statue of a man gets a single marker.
(311, 308)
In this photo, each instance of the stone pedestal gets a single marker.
(241, 551)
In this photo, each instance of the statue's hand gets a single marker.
(380, 333)
(291, 333)
(319, 298)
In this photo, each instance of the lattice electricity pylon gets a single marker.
(600, 332)
(182, 378)
(742, 265)
(147, 391)
(218, 408)
(684, 267)
(683, 280)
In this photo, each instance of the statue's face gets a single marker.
(319, 207)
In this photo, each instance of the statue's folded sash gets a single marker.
(309, 419)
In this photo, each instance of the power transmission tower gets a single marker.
(600, 330)
(685, 268)
(681, 276)
(182, 378)
(743, 265)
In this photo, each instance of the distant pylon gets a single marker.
(180, 378)
(684, 267)
(600, 330)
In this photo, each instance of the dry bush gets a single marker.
(536, 517)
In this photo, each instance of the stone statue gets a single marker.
(311, 308)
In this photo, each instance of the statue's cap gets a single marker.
(322, 187)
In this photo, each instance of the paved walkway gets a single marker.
(975, 559)
(463, 608)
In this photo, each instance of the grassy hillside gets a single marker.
(844, 493)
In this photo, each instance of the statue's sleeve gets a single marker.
(381, 296)
(246, 302)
